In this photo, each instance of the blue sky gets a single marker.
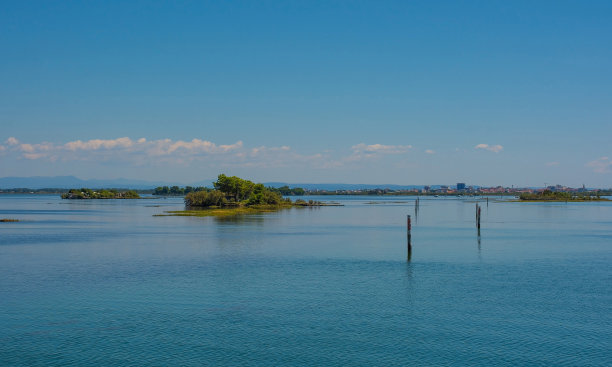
(408, 92)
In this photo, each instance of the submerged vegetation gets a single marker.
(85, 193)
(548, 195)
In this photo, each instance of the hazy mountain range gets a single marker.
(65, 182)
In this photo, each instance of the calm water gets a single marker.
(101, 283)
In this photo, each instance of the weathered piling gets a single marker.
(409, 251)
(478, 219)
(409, 238)
(408, 224)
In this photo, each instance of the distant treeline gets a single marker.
(177, 191)
(85, 193)
(548, 195)
(287, 191)
(181, 191)
(389, 192)
(25, 190)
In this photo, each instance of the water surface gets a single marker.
(107, 283)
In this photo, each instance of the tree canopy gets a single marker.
(235, 191)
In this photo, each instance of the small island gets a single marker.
(85, 193)
(548, 195)
(234, 195)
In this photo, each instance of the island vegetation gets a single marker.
(233, 195)
(235, 192)
(548, 195)
(85, 193)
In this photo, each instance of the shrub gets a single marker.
(205, 198)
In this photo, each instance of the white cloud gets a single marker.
(227, 148)
(142, 151)
(492, 148)
(194, 147)
(430, 151)
(380, 149)
(27, 148)
(12, 141)
(96, 144)
(601, 165)
(32, 148)
(108, 148)
(138, 152)
(552, 164)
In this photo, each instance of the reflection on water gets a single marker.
(248, 219)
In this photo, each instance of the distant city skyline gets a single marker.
(407, 93)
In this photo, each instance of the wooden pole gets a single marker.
(409, 238)
(478, 219)
(409, 250)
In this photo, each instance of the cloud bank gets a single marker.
(123, 147)
(143, 151)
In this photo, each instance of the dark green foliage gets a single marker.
(85, 193)
(234, 187)
(130, 194)
(263, 196)
(300, 202)
(205, 198)
(235, 191)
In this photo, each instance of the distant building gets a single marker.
(460, 186)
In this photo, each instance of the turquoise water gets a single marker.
(100, 283)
